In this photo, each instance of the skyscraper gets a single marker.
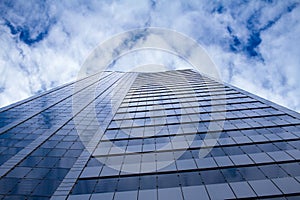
(167, 135)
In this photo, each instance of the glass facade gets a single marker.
(152, 128)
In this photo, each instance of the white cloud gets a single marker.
(73, 29)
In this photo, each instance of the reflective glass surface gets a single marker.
(159, 123)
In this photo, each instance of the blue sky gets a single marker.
(255, 44)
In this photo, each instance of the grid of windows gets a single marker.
(161, 122)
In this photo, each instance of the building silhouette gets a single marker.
(166, 135)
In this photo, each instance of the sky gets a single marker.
(254, 44)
